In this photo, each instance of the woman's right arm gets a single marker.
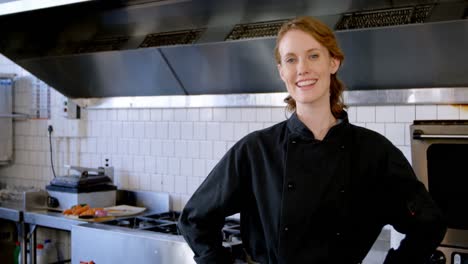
(203, 217)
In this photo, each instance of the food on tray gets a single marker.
(85, 210)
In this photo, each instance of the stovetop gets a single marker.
(167, 223)
(162, 223)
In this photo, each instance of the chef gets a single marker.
(313, 188)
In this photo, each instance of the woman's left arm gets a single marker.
(411, 212)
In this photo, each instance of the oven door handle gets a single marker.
(420, 135)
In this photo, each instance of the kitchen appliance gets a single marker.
(6, 121)
(150, 238)
(438, 151)
(92, 186)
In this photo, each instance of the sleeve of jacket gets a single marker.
(411, 211)
(203, 217)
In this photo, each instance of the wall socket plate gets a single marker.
(68, 128)
(70, 109)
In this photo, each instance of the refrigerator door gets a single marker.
(6, 121)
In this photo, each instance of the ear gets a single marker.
(280, 71)
(334, 65)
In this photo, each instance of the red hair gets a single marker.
(324, 35)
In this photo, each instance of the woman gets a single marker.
(314, 188)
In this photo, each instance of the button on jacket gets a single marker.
(308, 201)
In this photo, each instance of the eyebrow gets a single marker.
(309, 50)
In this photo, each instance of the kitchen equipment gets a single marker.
(123, 37)
(152, 238)
(6, 121)
(90, 186)
(439, 160)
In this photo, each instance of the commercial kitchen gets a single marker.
(131, 103)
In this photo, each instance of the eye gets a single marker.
(313, 56)
(290, 60)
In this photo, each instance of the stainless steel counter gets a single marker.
(11, 210)
(112, 244)
(50, 219)
(31, 213)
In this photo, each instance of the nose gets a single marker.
(302, 67)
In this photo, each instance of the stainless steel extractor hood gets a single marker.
(100, 49)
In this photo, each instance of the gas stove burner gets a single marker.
(232, 223)
(167, 223)
(134, 223)
(145, 224)
(172, 216)
(231, 231)
(126, 223)
(165, 228)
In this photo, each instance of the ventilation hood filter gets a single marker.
(172, 38)
(385, 17)
(255, 30)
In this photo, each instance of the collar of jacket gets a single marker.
(301, 131)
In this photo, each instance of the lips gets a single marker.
(306, 83)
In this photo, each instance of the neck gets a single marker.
(318, 119)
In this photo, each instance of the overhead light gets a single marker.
(17, 6)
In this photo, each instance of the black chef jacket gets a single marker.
(302, 200)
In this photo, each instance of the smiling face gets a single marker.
(305, 67)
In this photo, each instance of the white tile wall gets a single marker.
(206, 114)
(426, 112)
(233, 115)
(219, 114)
(463, 111)
(395, 133)
(385, 114)
(365, 114)
(155, 114)
(405, 113)
(248, 114)
(377, 127)
(448, 112)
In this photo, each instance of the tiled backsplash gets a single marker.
(169, 150)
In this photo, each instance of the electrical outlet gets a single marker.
(68, 128)
(70, 109)
(58, 128)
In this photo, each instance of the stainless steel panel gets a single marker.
(419, 55)
(104, 244)
(126, 73)
(226, 68)
(6, 122)
(226, 100)
(11, 211)
(457, 95)
(156, 202)
(50, 219)
(450, 254)
(351, 98)
(412, 56)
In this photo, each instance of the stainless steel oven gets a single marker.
(440, 159)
